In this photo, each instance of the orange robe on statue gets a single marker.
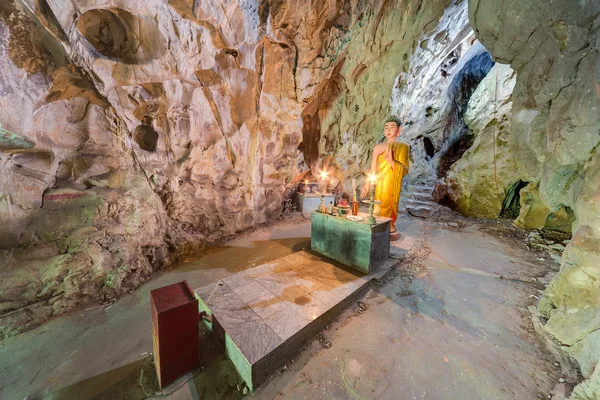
(389, 181)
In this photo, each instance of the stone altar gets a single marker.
(308, 202)
(355, 244)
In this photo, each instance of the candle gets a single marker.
(354, 201)
(324, 181)
(371, 218)
(373, 182)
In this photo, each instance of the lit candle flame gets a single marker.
(373, 178)
(323, 175)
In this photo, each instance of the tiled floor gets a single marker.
(262, 307)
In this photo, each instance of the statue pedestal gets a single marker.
(356, 244)
(308, 202)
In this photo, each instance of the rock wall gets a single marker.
(432, 95)
(423, 92)
(452, 103)
(479, 182)
(534, 214)
(344, 118)
(79, 220)
(136, 132)
(555, 131)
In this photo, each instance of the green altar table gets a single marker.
(355, 244)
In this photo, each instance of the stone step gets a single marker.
(427, 182)
(420, 193)
(423, 212)
(419, 189)
(419, 196)
(418, 203)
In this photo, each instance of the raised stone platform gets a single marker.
(264, 315)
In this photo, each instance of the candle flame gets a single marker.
(323, 174)
(373, 178)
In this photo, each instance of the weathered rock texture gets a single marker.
(480, 181)
(554, 135)
(139, 130)
(345, 114)
(432, 96)
(534, 214)
(423, 93)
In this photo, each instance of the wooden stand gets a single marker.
(174, 331)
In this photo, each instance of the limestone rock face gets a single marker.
(589, 389)
(344, 115)
(555, 133)
(138, 131)
(432, 96)
(535, 214)
(422, 95)
(78, 220)
(479, 182)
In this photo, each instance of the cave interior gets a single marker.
(144, 143)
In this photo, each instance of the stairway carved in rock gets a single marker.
(417, 200)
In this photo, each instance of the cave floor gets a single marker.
(450, 322)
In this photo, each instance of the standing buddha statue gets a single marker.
(389, 164)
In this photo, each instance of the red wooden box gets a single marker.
(174, 331)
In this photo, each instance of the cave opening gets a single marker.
(511, 206)
(429, 147)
